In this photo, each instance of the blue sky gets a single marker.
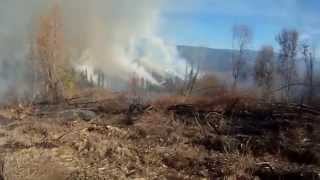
(209, 22)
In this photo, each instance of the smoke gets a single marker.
(117, 37)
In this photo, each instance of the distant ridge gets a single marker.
(220, 60)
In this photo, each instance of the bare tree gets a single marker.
(264, 70)
(241, 39)
(288, 41)
(308, 56)
(50, 53)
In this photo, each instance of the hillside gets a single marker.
(217, 60)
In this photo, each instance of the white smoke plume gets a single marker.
(113, 36)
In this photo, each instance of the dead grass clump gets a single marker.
(155, 124)
(35, 129)
(184, 159)
(218, 143)
(220, 101)
(231, 166)
(161, 129)
(242, 168)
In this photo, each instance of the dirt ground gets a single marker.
(116, 139)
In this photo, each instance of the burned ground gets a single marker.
(188, 138)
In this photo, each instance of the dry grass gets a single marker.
(155, 146)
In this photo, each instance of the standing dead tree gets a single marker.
(241, 39)
(288, 41)
(100, 78)
(264, 70)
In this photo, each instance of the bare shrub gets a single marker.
(166, 101)
(191, 76)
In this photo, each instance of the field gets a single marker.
(114, 136)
